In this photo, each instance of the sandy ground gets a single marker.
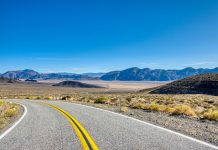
(45, 88)
(118, 85)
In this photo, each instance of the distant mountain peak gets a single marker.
(189, 68)
(132, 69)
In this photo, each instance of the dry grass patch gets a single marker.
(174, 110)
(184, 110)
(202, 106)
(155, 107)
(7, 111)
(100, 100)
(193, 105)
(48, 98)
(211, 115)
(11, 112)
(138, 105)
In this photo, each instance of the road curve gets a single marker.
(44, 128)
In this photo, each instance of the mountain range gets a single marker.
(31, 74)
(146, 74)
(131, 74)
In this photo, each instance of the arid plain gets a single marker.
(191, 114)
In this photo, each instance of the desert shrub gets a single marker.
(83, 99)
(38, 97)
(211, 115)
(66, 98)
(154, 107)
(30, 97)
(128, 99)
(184, 110)
(113, 100)
(2, 122)
(210, 101)
(2, 102)
(100, 100)
(48, 97)
(169, 109)
(138, 105)
(157, 107)
(7, 110)
(11, 112)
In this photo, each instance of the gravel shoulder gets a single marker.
(200, 129)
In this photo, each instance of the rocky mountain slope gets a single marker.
(199, 84)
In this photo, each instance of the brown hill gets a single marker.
(76, 84)
(200, 84)
(6, 80)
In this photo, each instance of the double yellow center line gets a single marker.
(85, 139)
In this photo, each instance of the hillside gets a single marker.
(200, 84)
(146, 74)
(6, 80)
(76, 84)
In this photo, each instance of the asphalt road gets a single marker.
(45, 128)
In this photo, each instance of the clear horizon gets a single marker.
(102, 36)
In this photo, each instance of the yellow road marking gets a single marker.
(85, 139)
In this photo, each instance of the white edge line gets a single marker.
(15, 124)
(162, 128)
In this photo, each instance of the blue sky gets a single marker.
(100, 36)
